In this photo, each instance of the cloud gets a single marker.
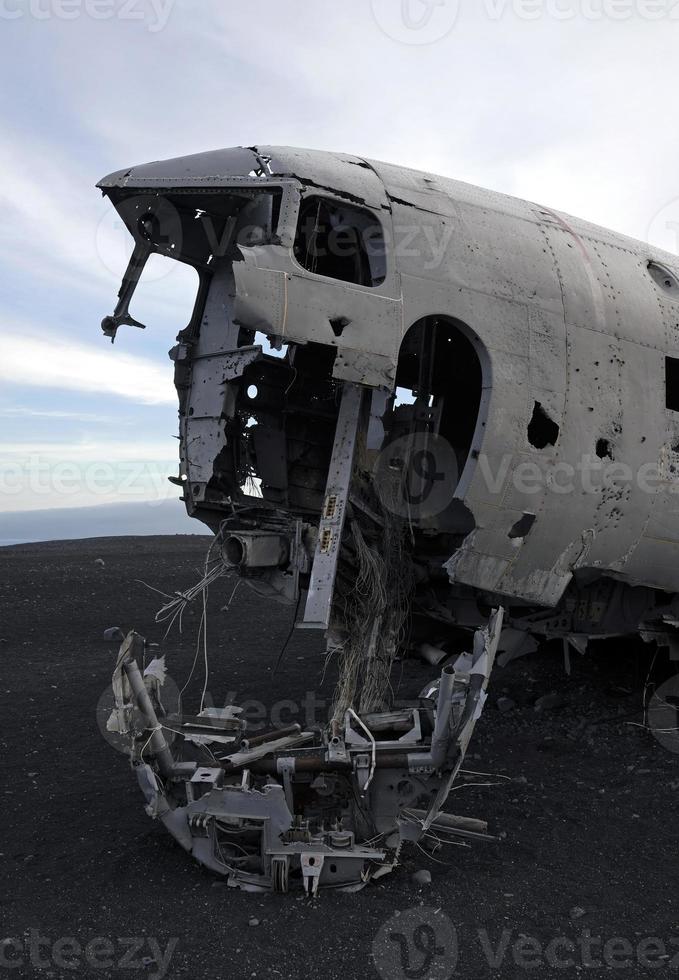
(53, 361)
(55, 475)
(65, 236)
(21, 412)
(50, 224)
(88, 451)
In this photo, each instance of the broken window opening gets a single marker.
(672, 383)
(273, 346)
(542, 431)
(165, 295)
(522, 527)
(198, 227)
(253, 487)
(664, 278)
(404, 396)
(193, 228)
(340, 242)
(603, 449)
(439, 385)
(258, 220)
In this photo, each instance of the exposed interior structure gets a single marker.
(439, 365)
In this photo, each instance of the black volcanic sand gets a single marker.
(589, 816)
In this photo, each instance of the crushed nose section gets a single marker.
(306, 810)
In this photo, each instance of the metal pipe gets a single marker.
(318, 762)
(273, 736)
(159, 747)
(449, 821)
(255, 549)
(440, 740)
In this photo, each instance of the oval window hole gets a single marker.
(664, 278)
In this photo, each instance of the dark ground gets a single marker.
(590, 815)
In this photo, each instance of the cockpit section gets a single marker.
(194, 227)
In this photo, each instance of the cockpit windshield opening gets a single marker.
(340, 242)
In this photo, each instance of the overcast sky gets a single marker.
(569, 102)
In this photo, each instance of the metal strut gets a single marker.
(326, 558)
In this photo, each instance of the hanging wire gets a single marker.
(173, 610)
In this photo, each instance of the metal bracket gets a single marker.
(286, 767)
(363, 763)
(312, 866)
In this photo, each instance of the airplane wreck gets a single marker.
(427, 417)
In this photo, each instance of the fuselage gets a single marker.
(558, 390)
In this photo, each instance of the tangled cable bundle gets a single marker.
(173, 610)
(370, 618)
(373, 620)
(176, 606)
